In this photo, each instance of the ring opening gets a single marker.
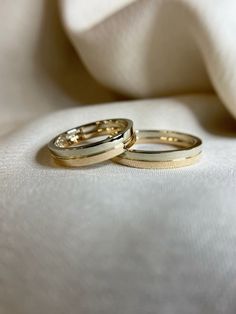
(167, 138)
(100, 129)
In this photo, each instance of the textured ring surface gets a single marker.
(188, 150)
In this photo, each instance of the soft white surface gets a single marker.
(156, 47)
(110, 239)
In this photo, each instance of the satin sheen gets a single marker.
(112, 239)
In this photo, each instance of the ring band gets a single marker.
(68, 148)
(188, 152)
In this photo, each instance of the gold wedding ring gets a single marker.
(188, 151)
(72, 148)
(82, 146)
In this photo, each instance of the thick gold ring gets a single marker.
(188, 151)
(71, 149)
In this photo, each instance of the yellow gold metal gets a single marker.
(72, 149)
(188, 151)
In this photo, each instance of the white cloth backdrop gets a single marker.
(107, 238)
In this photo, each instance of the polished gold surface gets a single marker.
(188, 150)
(72, 148)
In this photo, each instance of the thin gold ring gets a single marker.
(188, 151)
(71, 148)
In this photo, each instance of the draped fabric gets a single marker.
(153, 48)
(108, 238)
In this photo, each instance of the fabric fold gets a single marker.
(147, 48)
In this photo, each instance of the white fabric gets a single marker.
(153, 47)
(107, 238)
